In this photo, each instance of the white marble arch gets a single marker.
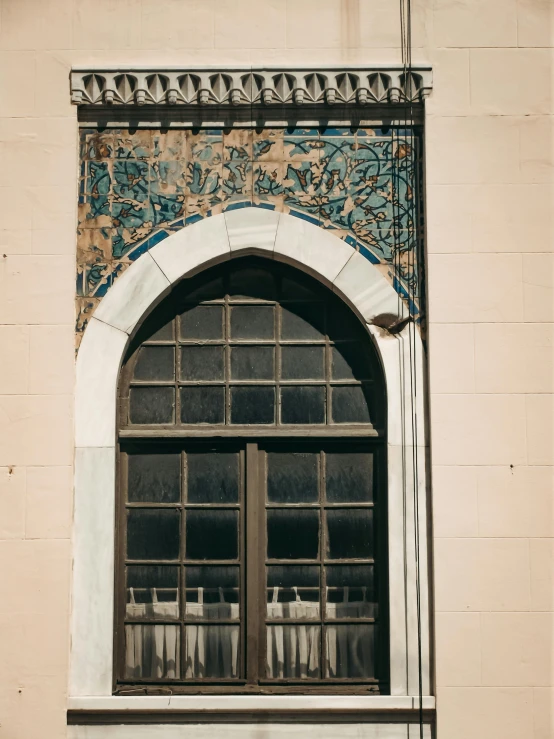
(361, 285)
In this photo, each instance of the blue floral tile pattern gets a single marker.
(138, 187)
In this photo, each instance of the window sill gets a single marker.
(245, 709)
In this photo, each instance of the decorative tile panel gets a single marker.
(138, 188)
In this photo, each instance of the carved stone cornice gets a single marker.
(247, 86)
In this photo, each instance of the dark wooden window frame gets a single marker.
(252, 442)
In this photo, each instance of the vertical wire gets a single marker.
(413, 281)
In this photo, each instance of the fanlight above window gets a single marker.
(249, 346)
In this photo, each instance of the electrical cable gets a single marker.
(413, 269)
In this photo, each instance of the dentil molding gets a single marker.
(249, 86)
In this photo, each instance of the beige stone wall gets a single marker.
(490, 174)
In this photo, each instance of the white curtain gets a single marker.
(212, 650)
(152, 650)
(350, 647)
(293, 650)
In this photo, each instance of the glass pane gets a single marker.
(212, 477)
(152, 592)
(349, 477)
(152, 534)
(154, 478)
(293, 651)
(202, 363)
(165, 333)
(152, 651)
(158, 326)
(342, 323)
(152, 405)
(212, 534)
(211, 290)
(293, 289)
(155, 363)
(211, 651)
(292, 478)
(292, 534)
(252, 405)
(293, 591)
(251, 283)
(350, 592)
(212, 593)
(350, 650)
(302, 405)
(252, 363)
(252, 322)
(302, 362)
(350, 533)
(302, 321)
(202, 404)
(349, 405)
(350, 362)
(202, 322)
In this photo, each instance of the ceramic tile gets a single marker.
(136, 187)
(135, 145)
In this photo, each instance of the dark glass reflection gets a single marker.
(302, 321)
(202, 322)
(154, 478)
(349, 361)
(349, 405)
(350, 591)
(211, 534)
(349, 533)
(349, 477)
(302, 362)
(152, 585)
(153, 405)
(252, 322)
(292, 477)
(252, 363)
(251, 283)
(202, 363)
(292, 534)
(252, 405)
(302, 405)
(152, 534)
(212, 477)
(212, 585)
(202, 404)
(289, 588)
(155, 363)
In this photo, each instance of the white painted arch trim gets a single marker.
(136, 292)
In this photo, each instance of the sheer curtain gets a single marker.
(293, 650)
(152, 650)
(212, 650)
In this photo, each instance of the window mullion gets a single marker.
(253, 564)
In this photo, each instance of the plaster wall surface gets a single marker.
(490, 184)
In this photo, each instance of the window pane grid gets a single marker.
(327, 647)
(287, 360)
(180, 616)
(309, 388)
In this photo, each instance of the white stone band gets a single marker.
(250, 86)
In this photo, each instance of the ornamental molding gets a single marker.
(247, 86)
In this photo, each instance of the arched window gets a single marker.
(252, 505)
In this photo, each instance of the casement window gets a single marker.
(251, 514)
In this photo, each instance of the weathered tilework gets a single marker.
(136, 188)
